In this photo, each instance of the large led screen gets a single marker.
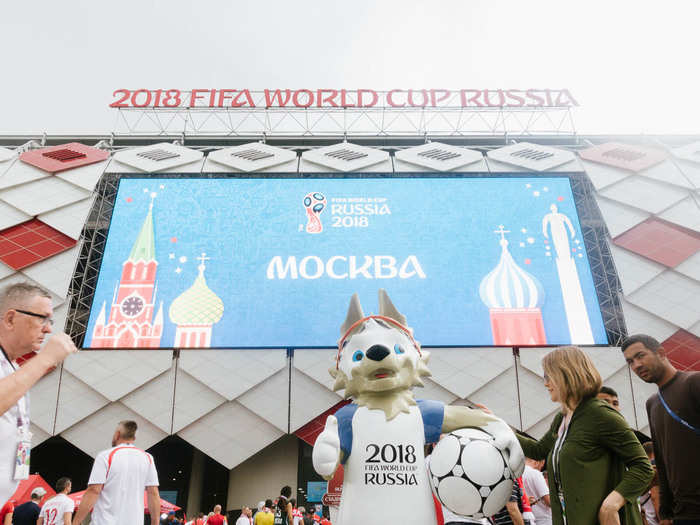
(272, 263)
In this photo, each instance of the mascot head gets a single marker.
(378, 360)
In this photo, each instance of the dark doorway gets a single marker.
(173, 459)
(56, 457)
(215, 487)
(306, 473)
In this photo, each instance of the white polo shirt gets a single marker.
(9, 437)
(55, 508)
(125, 471)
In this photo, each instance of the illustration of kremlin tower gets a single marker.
(513, 297)
(195, 311)
(131, 323)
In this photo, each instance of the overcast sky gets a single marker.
(632, 65)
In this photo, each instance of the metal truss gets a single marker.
(607, 283)
(94, 237)
(386, 121)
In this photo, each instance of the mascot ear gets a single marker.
(387, 308)
(354, 314)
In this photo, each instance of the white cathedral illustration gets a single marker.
(195, 311)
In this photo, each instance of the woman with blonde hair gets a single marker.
(597, 468)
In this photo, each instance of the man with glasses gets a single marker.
(25, 320)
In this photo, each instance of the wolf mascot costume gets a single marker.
(379, 438)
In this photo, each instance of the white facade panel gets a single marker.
(633, 270)
(270, 399)
(603, 176)
(19, 172)
(54, 192)
(115, 374)
(160, 157)
(463, 371)
(55, 273)
(309, 398)
(532, 157)
(618, 217)
(640, 321)
(644, 194)
(231, 373)
(94, 433)
(345, 157)
(500, 395)
(86, 177)
(154, 400)
(230, 434)
(671, 296)
(436, 156)
(70, 219)
(193, 399)
(252, 157)
(76, 401)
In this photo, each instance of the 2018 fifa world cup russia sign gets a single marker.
(343, 98)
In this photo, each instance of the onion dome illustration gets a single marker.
(508, 285)
(198, 305)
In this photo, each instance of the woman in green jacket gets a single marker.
(596, 467)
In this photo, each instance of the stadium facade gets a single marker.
(232, 426)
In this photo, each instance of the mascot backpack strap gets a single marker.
(433, 413)
(344, 417)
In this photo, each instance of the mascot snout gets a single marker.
(377, 352)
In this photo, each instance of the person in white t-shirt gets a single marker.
(118, 479)
(26, 316)
(246, 517)
(538, 491)
(59, 509)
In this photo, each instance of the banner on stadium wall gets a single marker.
(272, 263)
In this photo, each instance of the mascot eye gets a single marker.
(398, 349)
(358, 355)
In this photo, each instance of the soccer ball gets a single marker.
(469, 475)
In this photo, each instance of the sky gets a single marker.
(632, 65)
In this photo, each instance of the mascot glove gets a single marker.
(326, 453)
(504, 439)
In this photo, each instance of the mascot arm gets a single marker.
(504, 438)
(326, 454)
(459, 417)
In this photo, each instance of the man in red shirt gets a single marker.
(217, 518)
(6, 513)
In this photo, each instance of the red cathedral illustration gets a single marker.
(131, 323)
(514, 298)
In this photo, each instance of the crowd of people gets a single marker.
(283, 510)
(597, 470)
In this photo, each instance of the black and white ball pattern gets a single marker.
(469, 474)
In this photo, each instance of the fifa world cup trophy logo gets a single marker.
(314, 203)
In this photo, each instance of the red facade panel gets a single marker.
(660, 241)
(55, 159)
(683, 350)
(625, 156)
(31, 242)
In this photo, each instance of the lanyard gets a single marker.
(21, 405)
(557, 451)
(555, 465)
(676, 416)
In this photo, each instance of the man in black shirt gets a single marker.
(674, 419)
(27, 513)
